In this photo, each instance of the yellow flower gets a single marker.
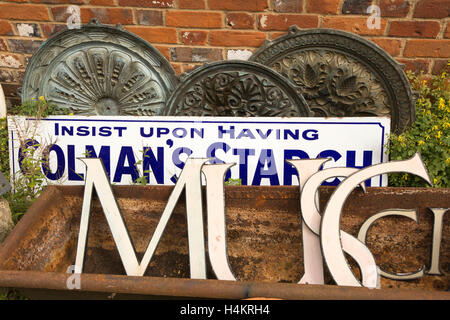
(443, 75)
(71, 114)
(447, 160)
(441, 105)
(421, 142)
(41, 98)
(435, 181)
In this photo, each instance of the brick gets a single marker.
(149, 17)
(186, 54)
(238, 5)
(58, 1)
(447, 31)
(177, 67)
(11, 102)
(102, 2)
(189, 67)
(194, 37)
(236, 38)
(27, 58)
(418, 29)
(152, 34)
(240, 20)
(439, 66)
(11, 90)
(193, 19)
(287, 5)
(355, 25)
(427, 48)
(3, 46)
(394, 8)
(191, 4)
(436, 9)
(24, 46)
(11, 76)
(6, 28)
(323, 6)
(284, 21)
(415, 65)
(50, 29)
(165, 51)
(11, 61)
(356, 6)
(107, 15)
(274, 35)
(391, 46)
(147, 3)
(239, 54)
(14, 11)
(60, 14)
(28, 30)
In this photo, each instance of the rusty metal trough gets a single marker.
(264, 246)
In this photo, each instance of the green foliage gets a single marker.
(12, 294)
(4, 158)
(233, 182)
(29, 185)
(142, 179)
(429, 135)
(39, 109)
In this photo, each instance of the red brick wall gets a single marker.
(191, 32)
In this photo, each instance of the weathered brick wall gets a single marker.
(191, 32)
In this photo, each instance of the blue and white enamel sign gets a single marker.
(156, 148)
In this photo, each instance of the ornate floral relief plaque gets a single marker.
(236, 89)
(100, 70)
(341, 74)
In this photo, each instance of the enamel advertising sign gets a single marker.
(153, 150)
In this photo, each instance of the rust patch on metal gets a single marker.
(264, 239)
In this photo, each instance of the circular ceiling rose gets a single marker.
(238, 89)
(100, 70)
(341, 74)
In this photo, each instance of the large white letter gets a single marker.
(330, 232)
(438, 214)
(190, 177)
(412, 214)
(217, 237)
(312, 257)
(351, 245)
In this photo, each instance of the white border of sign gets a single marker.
(335, 127)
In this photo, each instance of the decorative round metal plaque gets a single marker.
(236, 89)
(100, 70)
(341, 74)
